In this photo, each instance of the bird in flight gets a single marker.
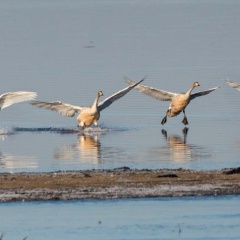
(178, 101)
(86, 115)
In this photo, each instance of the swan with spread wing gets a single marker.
(86, 115)
(178, 101)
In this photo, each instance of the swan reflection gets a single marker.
(8, 161)
(178, 149)
(87, 150)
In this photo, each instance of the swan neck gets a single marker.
(190, 89)
(95, 103)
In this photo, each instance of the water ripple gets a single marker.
(66, 130)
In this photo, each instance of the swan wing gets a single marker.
(233, 84)
(10, 98)
(152, 92)
(202, 93)
(108, 101)
(59, 107)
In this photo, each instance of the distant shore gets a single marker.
(117, 183)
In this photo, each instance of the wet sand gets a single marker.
(117, 183)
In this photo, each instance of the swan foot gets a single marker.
(185, 121)
(164, 120)
(81, 126)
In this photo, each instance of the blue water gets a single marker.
(68, 50)
(165, 218)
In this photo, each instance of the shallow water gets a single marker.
(69, 50)
(166, 218)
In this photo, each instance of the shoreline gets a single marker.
(118, 184)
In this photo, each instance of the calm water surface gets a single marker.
(167, 218)
(68, 51)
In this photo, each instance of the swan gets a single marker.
(86, 115)
(179, 101)
(9, 98)
(233, 84)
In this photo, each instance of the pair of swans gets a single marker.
(90, 115)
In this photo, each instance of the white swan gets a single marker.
(7, 99)
(87, 115)
(179, 101)
(233, 84)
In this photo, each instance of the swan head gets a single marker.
(196, 84)
(100, 93)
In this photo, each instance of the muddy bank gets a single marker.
(117, 183)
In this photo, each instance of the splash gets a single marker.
(6, 131)
(66, 130)
(46, 129)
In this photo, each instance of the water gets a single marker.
(167, 218)
(68, 51)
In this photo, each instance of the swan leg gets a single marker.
(164, 120)
(184, 121)
(81, 125)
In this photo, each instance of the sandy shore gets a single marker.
(117, 183)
